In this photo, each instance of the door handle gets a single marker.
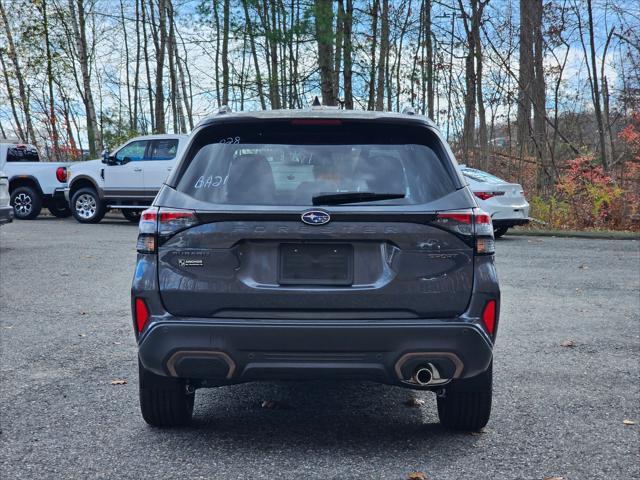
(169, 169)
(137, 169)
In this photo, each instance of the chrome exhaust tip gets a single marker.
(423, 375)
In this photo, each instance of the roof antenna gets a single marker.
(316, 102)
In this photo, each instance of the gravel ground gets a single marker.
(558, 411)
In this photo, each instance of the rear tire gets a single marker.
(26, 203)
(131, 214)
(87, 207)
(500, 231)
(466, 404)
(164, 401)
(59, 209)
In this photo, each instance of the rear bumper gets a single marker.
(224, 352)
(6, 214)
(509, 222)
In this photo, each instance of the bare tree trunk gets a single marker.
(126, 63)
(525, 76)
(383, 59)
(179, 124)
(596, 91)
(160, 53)
(375, 7)
(538, 90)
(145, 46)
(324, 37)
(468, 134)
(14, 111)
(136, 75)
(339, 50)
(478, 9)
(274, 80)
(225, 53)
(398, 64)
(429, 54)
(186, 97)
(254, 53)
(22, 91)
(55, 141)
(78, 20)
(348, 56)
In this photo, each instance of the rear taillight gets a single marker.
(489, 316)
(158, 224)
(61, 174)
(141, 314)
(487, 195)
(485, 243)
(470, 224)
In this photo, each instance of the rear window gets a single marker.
(277, 163)
(480, 176)
(22, 153)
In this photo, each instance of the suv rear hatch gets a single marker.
(259, 246)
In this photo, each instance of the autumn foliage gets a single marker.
(586, 196)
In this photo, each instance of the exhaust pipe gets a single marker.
(423, 375)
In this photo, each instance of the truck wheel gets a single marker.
(131, 214)
(26, 202)
(87, 207)
(59, 208)
(164, 401)
(500, 231)
(466, 404)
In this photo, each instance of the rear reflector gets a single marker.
(141, 314)
(489, 316)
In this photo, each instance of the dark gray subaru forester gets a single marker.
(316, 244)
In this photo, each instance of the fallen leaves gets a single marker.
(118, 382)
(628, 422)
(554, 478)
(416, 476)
(270, 404)
(568, 343)
(583, 267)
(413, 402)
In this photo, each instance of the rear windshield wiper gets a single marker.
(353, 197)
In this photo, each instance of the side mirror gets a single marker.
(105, 156)
(125, 160)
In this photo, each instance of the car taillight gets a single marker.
(158, 224)
(141, 314)
(489, 316)
(61, 174)
(470, 224)
(487, 195)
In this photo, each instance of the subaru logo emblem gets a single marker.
(315, 217)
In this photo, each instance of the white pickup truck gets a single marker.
(128, 179)
(33, 184)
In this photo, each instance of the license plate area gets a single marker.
(316, 264)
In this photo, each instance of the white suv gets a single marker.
(127, 179)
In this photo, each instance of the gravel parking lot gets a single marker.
(559, 411)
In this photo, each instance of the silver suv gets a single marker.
(316, 244)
